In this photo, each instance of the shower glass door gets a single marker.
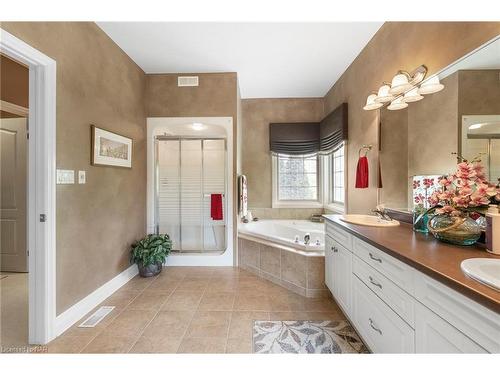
(188, 172)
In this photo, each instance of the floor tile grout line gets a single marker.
(155, 315)
(191, 320)
(229, 323)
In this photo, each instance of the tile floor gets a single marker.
(191, 310)
(13, 309)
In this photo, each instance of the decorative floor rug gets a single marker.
(304, 336)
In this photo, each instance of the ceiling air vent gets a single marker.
(187, 81)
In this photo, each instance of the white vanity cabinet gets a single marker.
(397, 309)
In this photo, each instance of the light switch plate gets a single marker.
(65, 176)
(81, 177)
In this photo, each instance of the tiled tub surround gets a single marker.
(191, 310)
(300, 272)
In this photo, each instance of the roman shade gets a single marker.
(300, 138)
(333, 129)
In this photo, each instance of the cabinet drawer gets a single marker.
(475, 321)
(397, 299)
(434, 335)
(339, 235)
(380, 327)
(393, 269)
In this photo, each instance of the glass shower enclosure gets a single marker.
(188, 171)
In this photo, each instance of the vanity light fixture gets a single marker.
(383, 95)
(197, 126)
(400, 83)
(404, 88)
(431, 86)
(412, 96)
(371, 103)
(396, 104)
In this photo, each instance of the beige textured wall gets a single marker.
(14, 82)
(215, 96)
(394, 158)
(433, 131)
(96, 222)
(478, 93)
(397, 45)
(256, 157)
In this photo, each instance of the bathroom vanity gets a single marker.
(404, 292)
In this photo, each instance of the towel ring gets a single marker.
(366, 148)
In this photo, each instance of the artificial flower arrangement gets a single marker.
(466, 190)
(461, 199)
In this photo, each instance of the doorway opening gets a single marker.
(14, 96)
(35, 228)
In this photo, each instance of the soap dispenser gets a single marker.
(493, 230)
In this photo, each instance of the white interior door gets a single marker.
(13, 181)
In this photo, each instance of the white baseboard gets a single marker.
(87, 304)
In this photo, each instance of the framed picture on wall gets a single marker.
(110, 149)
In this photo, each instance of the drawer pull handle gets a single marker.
(375, 258)
(373, 326)
(374, 282)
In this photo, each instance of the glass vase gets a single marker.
(420, 221)
(461, 231)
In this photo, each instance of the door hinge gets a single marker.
(43, 218)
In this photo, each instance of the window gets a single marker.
(337, 176)
(296, 181)
(310, 181)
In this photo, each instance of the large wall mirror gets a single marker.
(425, 138)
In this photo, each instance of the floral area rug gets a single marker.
(303, 336)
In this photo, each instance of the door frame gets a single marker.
(41, 185)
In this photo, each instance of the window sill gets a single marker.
(336, 208)
(297, 204)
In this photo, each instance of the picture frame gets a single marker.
(110, 149)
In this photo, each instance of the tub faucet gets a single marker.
(307, 239)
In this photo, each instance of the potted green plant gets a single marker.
(150, 252)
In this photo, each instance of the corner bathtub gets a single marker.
(268, 249)
(284, 232)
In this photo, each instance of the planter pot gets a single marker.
(150, 270)
(461, 231)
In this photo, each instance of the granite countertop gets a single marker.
(436, 259)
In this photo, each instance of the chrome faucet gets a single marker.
(307, 239)
(380, 212)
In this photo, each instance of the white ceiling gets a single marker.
(273, 60)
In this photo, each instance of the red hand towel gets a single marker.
(362, 173)
(216, 206)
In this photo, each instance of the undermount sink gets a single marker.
(368, 220)
(484, 270)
